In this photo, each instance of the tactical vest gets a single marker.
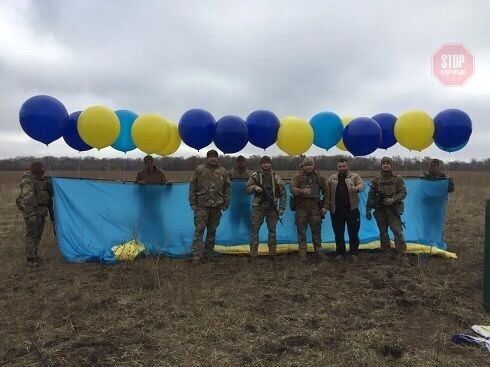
(313, 182)
(41, 196)
(387, 186)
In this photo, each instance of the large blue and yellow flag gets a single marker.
(94, 217)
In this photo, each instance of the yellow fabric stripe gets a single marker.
(413, 248)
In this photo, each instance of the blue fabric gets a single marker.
(93, 216)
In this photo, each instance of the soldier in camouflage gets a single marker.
(34, 201)
(151, 174)
(271, 182)
(434, 172)
(388, 212)
(310, 192)
(240, 170)
(209, 195)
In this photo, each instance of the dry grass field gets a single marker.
(161, 312)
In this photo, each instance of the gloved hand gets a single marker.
(369, 216)
(324, 211)
(281, 212)
(388, 202)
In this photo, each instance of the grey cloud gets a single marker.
(295, 58)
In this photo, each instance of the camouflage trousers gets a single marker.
(34, 231)
(385, 217)
(313, 217)
(258, 215)
(208, 219)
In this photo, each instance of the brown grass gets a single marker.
(160, 312)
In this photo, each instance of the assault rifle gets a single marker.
(266, 197)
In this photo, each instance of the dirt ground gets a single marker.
(161, 312)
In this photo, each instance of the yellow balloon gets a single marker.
(150, 133)
(174, 142)
(345, 122)
(295, 135)
(415, 130)
(98, 126)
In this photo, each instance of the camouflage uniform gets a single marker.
(392, 187)
(273, 184)
(309, 207)
(239, 173)
(153, 176)
(429, 176)
(209, 194)
(34, 201)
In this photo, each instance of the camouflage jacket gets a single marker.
(318, 185)
(35, 195)
(155, 176)
(278, 192)
(210, 187)
(450, 187)
(390, 186)
(241, 174)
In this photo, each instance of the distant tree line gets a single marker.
(190, 163)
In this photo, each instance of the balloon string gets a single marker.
(47, 157)
(420, 162)
(100, 166)
(449, 165)
(79, 162)
(405, 166)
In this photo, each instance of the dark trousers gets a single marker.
(353, 220)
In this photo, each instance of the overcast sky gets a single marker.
(297, 58)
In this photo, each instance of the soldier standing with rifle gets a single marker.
(34, 201)
(386, 195)
(268, 189)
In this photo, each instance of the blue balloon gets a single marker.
(262, 128)
(328, 129)
(453, 128)
(70, 133)
(387, 123)
(124, 142)
(197, 128)
(362, 136)
(452, 149)
(43, 118)
(231, 134)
